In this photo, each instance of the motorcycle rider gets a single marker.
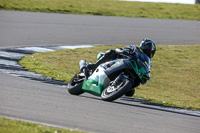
(147, 46)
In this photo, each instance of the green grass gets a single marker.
(14, 126)
(174, 77)
(106, 8)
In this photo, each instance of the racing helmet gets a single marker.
(148, 47)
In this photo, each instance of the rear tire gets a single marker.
(75, 85)
(114, 92)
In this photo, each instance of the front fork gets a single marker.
(121, 77)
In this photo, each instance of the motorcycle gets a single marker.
(111, 79)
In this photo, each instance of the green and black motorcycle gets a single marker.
(112, 79)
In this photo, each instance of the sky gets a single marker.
(167, 1)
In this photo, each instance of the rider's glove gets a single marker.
(130, 50)
(126, 51)
(119, 51)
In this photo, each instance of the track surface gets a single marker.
(28, 29)
(36, 101)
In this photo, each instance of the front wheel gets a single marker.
(75, 84)
(116, 90)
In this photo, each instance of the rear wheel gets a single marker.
(75, 84)
(116, 90)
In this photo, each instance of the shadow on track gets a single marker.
(146, 105)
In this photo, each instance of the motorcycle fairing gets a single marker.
(102, 76)
(142, 66)
(96, 82)
(119, 66)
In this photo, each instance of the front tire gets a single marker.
(75, 85)
(113, 92)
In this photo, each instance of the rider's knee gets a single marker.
(111, 54)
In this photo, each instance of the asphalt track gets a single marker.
(26, 99)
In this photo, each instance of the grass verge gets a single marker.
(106, 8)
(14, 126)
(174, 77)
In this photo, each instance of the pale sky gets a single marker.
(167, 1)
